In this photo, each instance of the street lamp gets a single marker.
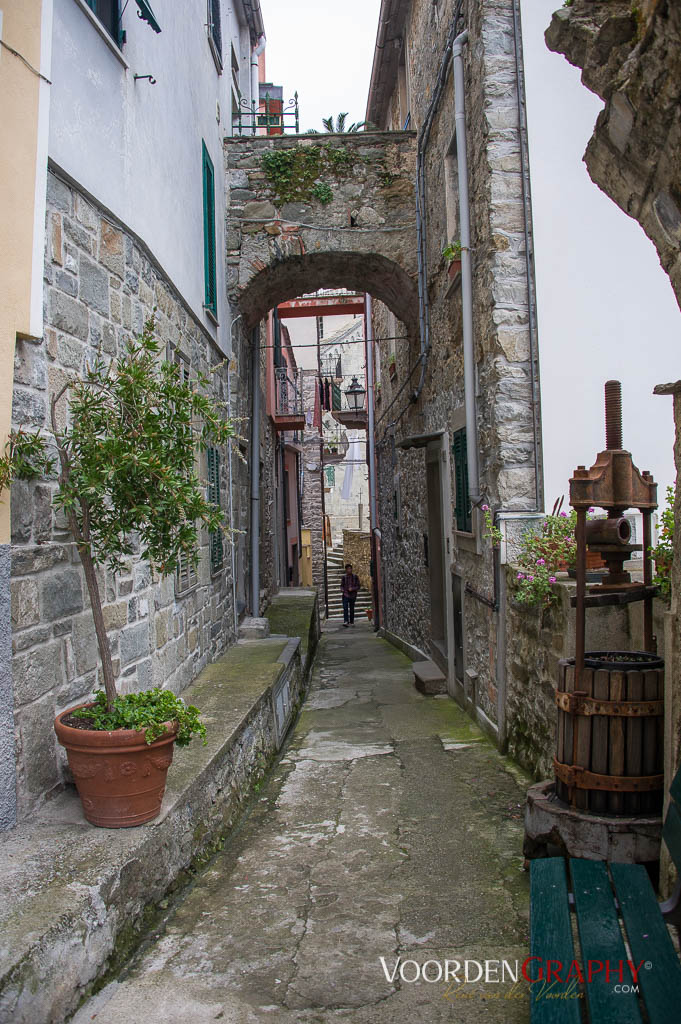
(355, 396)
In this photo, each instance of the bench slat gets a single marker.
(550, 939)
(601, 940)
(649, 941)
(671, 833)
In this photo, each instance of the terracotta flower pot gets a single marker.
(120, 779)
(453, 269)
(370, 614)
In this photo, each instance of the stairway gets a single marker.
(335, 566)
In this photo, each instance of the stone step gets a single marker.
(428, 678)
(254, 629)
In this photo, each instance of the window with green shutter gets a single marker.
(108, 12)
(463, 502)
(215, 30)
(216, 547)
(210, 300)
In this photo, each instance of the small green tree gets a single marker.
(663, 552)
(127, 464)
(339, 127)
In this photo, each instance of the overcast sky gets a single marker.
(606, 308)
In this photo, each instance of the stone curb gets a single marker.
(76, 898)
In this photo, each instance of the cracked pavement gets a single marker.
(390, 828)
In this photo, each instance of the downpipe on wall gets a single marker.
(255, 471)
(255, 76)
(466, 271)
(371, 453)
(231, 479)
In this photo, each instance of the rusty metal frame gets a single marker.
(579, 703)
(581, 778)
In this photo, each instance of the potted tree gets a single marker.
(126, 456)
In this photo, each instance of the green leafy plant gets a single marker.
(663, 552)
(340, 127)
(296, 174)
(150, 710)
(321, 191)
(492, 532)
(391, 360)
(452, 252)
(127, 458)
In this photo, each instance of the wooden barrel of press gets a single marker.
(609, 744)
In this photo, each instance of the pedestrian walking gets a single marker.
(349, 589)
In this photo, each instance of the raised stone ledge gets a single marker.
(74, 898)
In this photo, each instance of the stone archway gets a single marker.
(296, 275)
(316, 211)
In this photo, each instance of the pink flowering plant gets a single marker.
(543, 553)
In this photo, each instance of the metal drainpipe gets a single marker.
(255, 76)
(529, 255)
(255, 472)
(231, 503)
(466, 272)
(373, 511)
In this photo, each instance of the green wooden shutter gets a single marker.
(463, 503)
(336, 397)
(216, 547)
(210, 300)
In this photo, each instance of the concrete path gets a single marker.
(391, 828)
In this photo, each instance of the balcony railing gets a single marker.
(332, 367)
(277, 117)
(289, 399)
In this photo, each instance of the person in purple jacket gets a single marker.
(349, 588)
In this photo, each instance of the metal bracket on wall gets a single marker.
(152, 80)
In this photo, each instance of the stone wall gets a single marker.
(311, 498)
(360, 236)
(536, 640)
(630, 55)
(357, 551)
(506, 378)
(100, 287)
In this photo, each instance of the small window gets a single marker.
(210, 301)
(108, 12)
(215, 31)
(463, 502)
(216, 545)
(397, 502)
(452, 193)
(403, 89)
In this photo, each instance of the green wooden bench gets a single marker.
(609, 902)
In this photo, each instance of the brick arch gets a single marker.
(363, 272)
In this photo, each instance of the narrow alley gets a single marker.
(389, 829)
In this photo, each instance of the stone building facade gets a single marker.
(116, 237)
(442, 589)
(101, 285)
